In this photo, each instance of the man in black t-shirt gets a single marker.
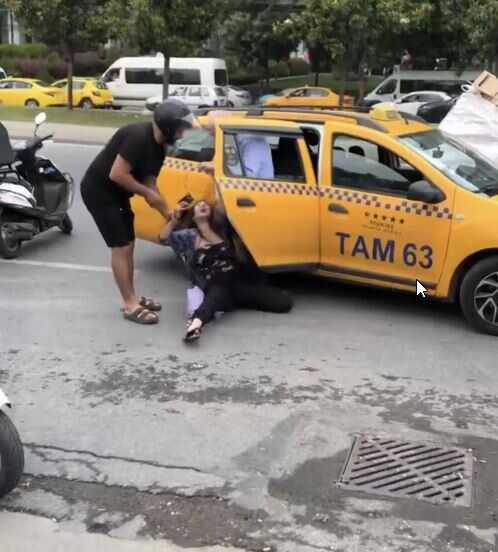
(129, 164)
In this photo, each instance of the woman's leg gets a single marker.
(261, 297)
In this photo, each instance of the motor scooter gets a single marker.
(34, 194)
(11, 451)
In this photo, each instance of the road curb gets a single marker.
(20, 531)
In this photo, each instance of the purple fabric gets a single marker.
(195, 297)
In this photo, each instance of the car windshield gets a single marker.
(462, 164)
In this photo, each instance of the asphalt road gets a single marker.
(239, 440)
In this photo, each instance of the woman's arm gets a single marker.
(173, 223)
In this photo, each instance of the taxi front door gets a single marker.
(371, 232)
(275, 213)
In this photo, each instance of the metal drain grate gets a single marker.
(390, 467)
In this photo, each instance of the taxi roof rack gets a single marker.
(358, 114)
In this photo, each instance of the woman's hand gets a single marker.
(180, 209)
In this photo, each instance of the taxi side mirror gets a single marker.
(425, 192)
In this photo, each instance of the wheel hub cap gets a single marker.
(486, 299)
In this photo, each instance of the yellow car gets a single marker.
(380, 199)
(87, 93)
(30, 93)
(308, 96)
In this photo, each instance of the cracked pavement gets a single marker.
(239, 441)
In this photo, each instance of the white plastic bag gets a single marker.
(474, 121)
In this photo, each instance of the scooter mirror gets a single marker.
(40, 118)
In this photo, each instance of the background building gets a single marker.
(11, 31)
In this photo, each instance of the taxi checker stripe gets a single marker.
(358, 198)
(182, 164)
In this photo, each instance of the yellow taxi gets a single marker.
(29, 93)
(381, 199)
(308, 96)
(87, 93)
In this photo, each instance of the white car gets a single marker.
(238, 97)
(410, 103)
(194, 96)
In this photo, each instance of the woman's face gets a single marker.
(202, 211)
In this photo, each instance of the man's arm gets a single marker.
(121, 175)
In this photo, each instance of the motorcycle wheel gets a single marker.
(11, 455)
(66, 225)
(9, 246)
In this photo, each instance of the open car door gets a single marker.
(267, 184)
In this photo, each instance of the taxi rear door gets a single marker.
(371, 230)
(275, 212)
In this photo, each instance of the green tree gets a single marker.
(254, 34)
(347, 30)
(68, 25)
(172, 27)
(481, 24)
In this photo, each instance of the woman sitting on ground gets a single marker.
(214, 267)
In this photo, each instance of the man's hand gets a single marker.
(207, 167)
(180, 209)
(155, 200)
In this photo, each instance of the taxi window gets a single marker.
(263, 156)
(360, 164)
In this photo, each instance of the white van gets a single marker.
(132, 80)
(404, 82)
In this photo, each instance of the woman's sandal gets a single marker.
(142, 316)
(150, 304)
(192, 335)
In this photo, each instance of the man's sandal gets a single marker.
(150, 304)
(142, 316)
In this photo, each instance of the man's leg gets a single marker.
(122, 268)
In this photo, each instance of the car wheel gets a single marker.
(9, 245)
(479, 296)
(66, 225)
(231, 104)
(32, 104)
(11, 455)
(86, 103)
(116, 107)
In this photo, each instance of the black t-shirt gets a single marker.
(136, 144)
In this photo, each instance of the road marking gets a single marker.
(63, 266)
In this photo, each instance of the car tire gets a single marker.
(86, 103)
(479, 296)
(32, 104)
(11, 455)
(231, 104)
(66, 225)
(117, 107)
(9, 247)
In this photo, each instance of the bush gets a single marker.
(32, 68)
(279, 70)
(89, 64)
(298, 66)
(33, 50)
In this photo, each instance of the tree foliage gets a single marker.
(65, 24)
(254, 35)
(172, 27)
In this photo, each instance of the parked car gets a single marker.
(194, 96)
(238, 97)
(435, 112)
(30, 93)
(87, 93)
(308, 96)
(410, 103)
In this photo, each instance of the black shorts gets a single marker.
(112, 215)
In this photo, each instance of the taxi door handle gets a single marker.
(336, 208)
(245, 202)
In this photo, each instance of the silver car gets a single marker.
(195, 96)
